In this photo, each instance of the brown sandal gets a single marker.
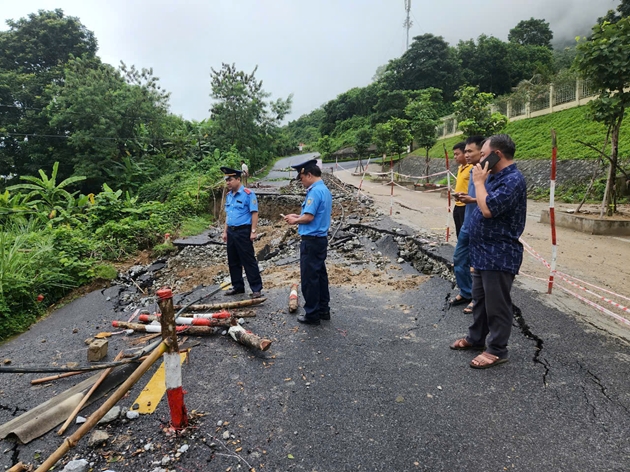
(463, 345)
(469, 309)
(486, 360)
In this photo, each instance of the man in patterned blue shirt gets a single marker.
(241, 220)
(496, 254)
(313, 222)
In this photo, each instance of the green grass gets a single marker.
(533, 136)
(195, 225)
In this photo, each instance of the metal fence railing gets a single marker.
(568, 94)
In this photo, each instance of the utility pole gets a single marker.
(407, 24)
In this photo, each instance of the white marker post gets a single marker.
(172, 365)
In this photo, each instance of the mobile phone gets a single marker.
(282, 215)
(490, 161)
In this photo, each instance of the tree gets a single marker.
(604, 59)
(243, 115)
(429, 62)
(472, 110)
(563, 58)
(362, 141)
(399, 137)
(381, 139)
(424, 119)
(531, 32)
(622, 11)
(390, 104)
(379, 73)
(34, 52)
(496, 66)
(324, 146)
(102, 110)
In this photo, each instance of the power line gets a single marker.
(90, 138)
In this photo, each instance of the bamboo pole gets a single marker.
(54, 377)
(195, 321)
(222, 306)
(240, 314)
(87, 396)
(19, 467)
(192, 330)
(94, 418)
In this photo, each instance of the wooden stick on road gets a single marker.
(54, 377)
(87, 396)
(94, 418)
(222, 306)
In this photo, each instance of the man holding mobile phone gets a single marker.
(496, 254)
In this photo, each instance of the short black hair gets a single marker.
(476, 140)
(461, 146)
(503, 143)
(313, 170)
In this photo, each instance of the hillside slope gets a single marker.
(533, 139)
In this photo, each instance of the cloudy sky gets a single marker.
(314, 49)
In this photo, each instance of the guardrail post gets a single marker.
(172, 365)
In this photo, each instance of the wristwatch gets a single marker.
(253, 230)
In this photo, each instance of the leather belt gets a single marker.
(235, 228)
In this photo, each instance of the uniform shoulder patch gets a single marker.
(247, 191)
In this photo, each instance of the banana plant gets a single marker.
(48, 193)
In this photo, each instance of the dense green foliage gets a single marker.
(604, 58)
(533, 136)
(472, 110)
(491, 65)
(531, 32)
(96, 168)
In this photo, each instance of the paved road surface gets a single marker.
(374, 389)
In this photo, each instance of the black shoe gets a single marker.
(324, 315)
(233, 291)
(310, 321)
(255, 295)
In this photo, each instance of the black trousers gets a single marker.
(492, 312)
(313, 275)
(458, 216)
(240, 252)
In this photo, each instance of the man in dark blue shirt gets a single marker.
(495, 227)
(313, 222)
(241, 220)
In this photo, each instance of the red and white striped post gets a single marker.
(172, 365)
(362, 177)
(448, 184)
(552, 211)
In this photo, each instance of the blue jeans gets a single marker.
(461, 262)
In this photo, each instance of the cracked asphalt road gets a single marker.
(376, 389)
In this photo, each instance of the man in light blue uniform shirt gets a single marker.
(313, 224)
(241, 220)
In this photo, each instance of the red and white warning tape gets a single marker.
(566, 278)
